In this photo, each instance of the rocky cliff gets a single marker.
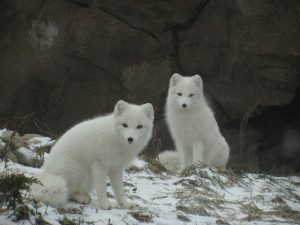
(63, 61)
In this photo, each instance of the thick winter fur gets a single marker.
(192, 124)
(92, 150)
(170, 160)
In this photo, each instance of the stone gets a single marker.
(9, 136)
(27, 137)
(12, 157)
(66, 61)
(28, 157)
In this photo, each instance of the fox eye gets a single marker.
(139, 127)
(124, 125)
(191, 95)
(179, 94)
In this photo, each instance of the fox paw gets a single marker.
(127, 205)
(108, 205)
(81, 198)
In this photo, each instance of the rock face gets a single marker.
(70, 60)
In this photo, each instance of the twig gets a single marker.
(244, 122)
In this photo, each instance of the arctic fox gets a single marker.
(192, 125)
(92, 150)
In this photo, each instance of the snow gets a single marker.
(26, 153)
(37, 142)
(200, 195)
(1, 132)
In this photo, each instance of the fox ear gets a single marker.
(175, 79)
(120, 107)
(148, 108)
(198, 80)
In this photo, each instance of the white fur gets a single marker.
(92, 150)
(170, 160)
(194, 128)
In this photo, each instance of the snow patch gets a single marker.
(200, 195)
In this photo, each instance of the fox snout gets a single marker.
(183, 102)
(184, 105)
(130, 140)
(130, 137)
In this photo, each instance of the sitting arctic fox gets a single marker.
(192, 125)
(92, 150)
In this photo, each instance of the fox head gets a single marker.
(185, 92)
(134, 122)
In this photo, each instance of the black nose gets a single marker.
(130, 139)
(184, 105)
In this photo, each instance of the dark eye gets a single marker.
(124, 125)
(139, 127)
(191, 95)
(179, 94)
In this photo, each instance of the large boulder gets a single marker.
(65, 61)
(247, 52)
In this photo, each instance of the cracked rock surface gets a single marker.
(70, 60)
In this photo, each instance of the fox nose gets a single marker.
(130, 140)
(184, 105)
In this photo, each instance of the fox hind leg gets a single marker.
(99, 175)
(116, 179)
(186, 156)
(198, 152)
(82, 192)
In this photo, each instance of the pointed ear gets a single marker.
(120, 107)
(198, 80)
(175, 79)
(148, 108)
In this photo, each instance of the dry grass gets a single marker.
(278, 199)
(141, 215)
(244, 122)
(193, 209)
(252, 210)
(153, 165)
(217, 176)
(134, 169)
(71, 210)
(285, 212)
(197, 197)
(183, 217)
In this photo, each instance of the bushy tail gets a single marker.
(53, 190)
(222, 156)
(169, 160)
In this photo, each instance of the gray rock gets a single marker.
(27, 137)
(71, 60)
(9, 136)
(8, 154)
(12, 157)
(28, 157)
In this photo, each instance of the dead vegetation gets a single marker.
(14, 147)
(183, 217)
(252, 211)
(203, 192)
(285, 212)
(153, 165)
(216, 192)
(216, 176)
(134, 169)
(141, 215)
(244, 122)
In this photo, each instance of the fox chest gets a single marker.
(187, 128)
(116, 157)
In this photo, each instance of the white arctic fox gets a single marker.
(92, 150)
(192, 125)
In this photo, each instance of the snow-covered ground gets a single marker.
(199, 195)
